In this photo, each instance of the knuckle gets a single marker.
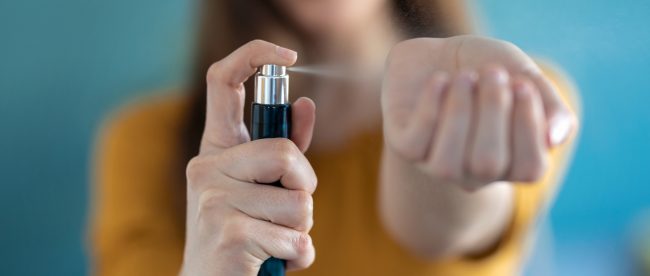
(314, 179)
(533, 170)
(507, 46)
(256, 43)
(214, 71)
(212, 197)
(407, 150)
(301, 243)
(235, 235)
(532, 72)
(210, 200)
(446, 172)
(286, 153)
(286, 145)
(304, 201)
(524, 100)
(201, 170)
(510, 45)
(487, 167)
(195, 170)
(304, 248)
(304, 208)
(285, 162)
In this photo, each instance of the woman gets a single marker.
(439, 168)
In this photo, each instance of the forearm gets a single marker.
(435, 219)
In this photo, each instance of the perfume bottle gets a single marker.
(271, 118)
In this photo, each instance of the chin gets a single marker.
(331, 18)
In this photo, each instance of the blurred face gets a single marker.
(332, 17)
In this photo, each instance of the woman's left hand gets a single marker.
(471, 110)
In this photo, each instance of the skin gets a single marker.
(463, 118)
(335, 20)
(233, 223)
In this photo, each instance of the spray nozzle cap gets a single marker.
(272, 85)
(273, 70)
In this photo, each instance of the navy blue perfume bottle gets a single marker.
(271, 118)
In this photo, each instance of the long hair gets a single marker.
(227, 24)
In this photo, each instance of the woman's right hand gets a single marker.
(234, 223)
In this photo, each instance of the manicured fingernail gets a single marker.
(286, 53)
(560, 126)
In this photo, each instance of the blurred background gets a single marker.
(64, 65)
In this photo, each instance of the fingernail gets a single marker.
(286, 53)
(560, 127)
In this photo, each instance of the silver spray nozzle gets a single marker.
(272, 85)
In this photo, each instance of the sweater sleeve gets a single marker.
(136, 227)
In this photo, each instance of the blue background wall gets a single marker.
(604, 46)
(65, 64)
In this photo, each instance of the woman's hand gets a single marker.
(461, 114)
(471, 110)
(234, 223)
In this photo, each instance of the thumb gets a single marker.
(224, 124)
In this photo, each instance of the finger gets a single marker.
(447, 154)
(224, 126)
(243, 62)
(263, 240)
(303, 116)
(267, 161)
(489, 157)
(529, 146)
(415, 140)
(290, 208)
(560, 121)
